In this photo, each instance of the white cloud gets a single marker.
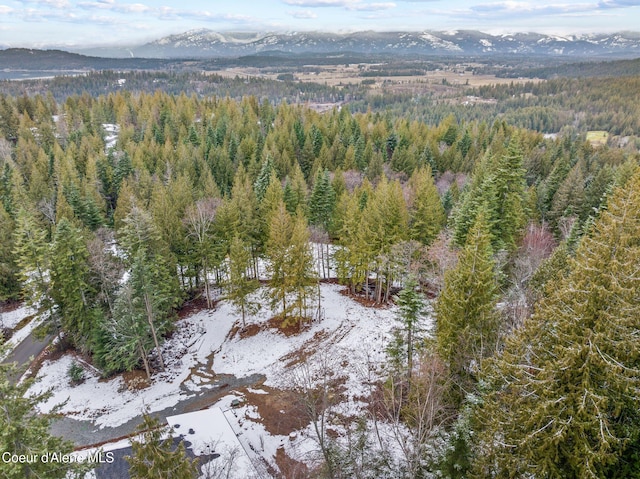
(5, 10)
(320, 3)
(111, 5)
(48, 3)
(371, 7)
(514, 8)
(618, 3)
(303, 14)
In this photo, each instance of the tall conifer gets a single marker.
(466, 319)
(563, 396)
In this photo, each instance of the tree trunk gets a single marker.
(206, 283)
(149, 309)
(145, 361)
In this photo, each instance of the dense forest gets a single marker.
(571, 104)
(117, 207)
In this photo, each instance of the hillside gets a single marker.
(58, 60)
(205, 43)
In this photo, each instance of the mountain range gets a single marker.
(205, 43)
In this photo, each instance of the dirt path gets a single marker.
(86, 433)
(23, 353)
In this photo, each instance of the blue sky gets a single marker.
(47, 23)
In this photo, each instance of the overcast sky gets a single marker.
(42, 23)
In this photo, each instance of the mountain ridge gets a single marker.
(206, 43)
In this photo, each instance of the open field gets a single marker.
(597, 137)
(366, 73)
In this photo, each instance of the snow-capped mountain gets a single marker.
(207, 43)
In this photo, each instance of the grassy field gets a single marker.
(336, 75)
(597, 137)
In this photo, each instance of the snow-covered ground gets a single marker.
(111, 135)
(12, 318)
(353, 336)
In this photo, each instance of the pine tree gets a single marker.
(301, 277)
(277, 254)
(264, 178)
(154, 457)
(70, 289)
(466, 319)
(240, 283)
(411, 306)
(322, 201)
(562, 398)
(24, 430)
(427, 215)
(34, 261)
(9, 272)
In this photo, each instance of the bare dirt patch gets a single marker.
(292, 327)
(289, 467)
(364, 301)
(250, 330)
(308, 348)
(279, 410)
(135, 380)
(192, 307)
(8, 306)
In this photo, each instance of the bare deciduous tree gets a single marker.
(199, 221)
(416, 418)
(317, 389)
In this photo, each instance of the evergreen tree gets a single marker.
(24, 430)
(411, 305)
(385, 224)
(300, 273)
(264, 178)
(34, 261)
(277, 254)
(426, 214)
(142, 315)
(124, 340)
(70, 289)
(562, 398)
(498, 187)
(466, 318)
(151, 296)
(354, 253)
(510, 201)
(322, 201)
(155, 457)
(240, 283)
(9, 272)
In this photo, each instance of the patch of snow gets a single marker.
(22, 333)
(207, 343)
(209, 432)
(111, 134)
(11, 319)
(107, 403)
(439, 42)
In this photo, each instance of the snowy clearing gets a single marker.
(211, 343)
